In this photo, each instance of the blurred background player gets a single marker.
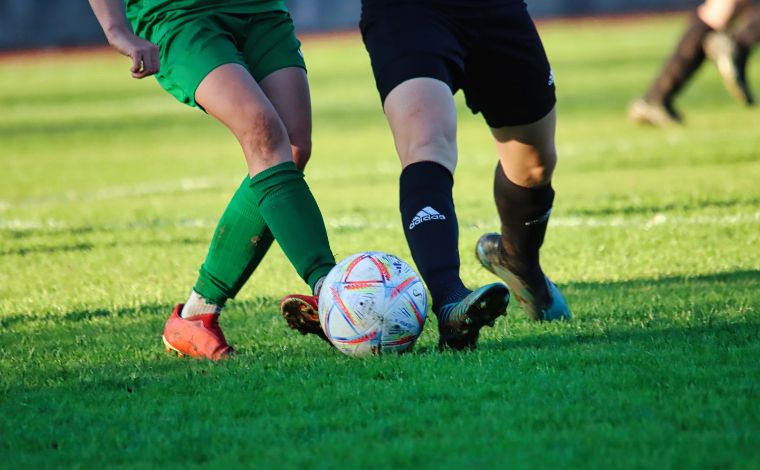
(707, 35)
(240, 62)
(730, 51)
(422, 53)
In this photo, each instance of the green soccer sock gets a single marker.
(240, 241)
(292, 214)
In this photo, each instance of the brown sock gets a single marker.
(749, 33)
(745, 37)
(524, 214)
(680, 67)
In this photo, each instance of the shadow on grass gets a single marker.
(96, 245)
(161, 311)
(715, 282)
(652, 209)
(632, 297)
(749, 275)
(76, 316)
(125, 354)
(745, 330)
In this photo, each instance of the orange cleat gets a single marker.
(302, 314)
(198, 336)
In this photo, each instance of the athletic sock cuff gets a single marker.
(212, 289)
(269, 180)
(318, 273)
(526, 205)
(423, 177)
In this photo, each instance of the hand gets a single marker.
(144, 54)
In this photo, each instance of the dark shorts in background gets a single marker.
(494, 54)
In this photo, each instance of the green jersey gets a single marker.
(146, 13)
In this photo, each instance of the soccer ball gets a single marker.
(372, 303)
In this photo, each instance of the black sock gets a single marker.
(524, 214)
(749, 34)
(431, 229)
(746, 37)
(681, 65)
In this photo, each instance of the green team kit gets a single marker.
(196, 36)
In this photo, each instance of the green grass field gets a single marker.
(111, 191)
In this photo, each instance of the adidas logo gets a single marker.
(551, 77)
(427, 213)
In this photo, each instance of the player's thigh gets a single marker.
(288, 91)
(273, 54)
(422, 117)
(719, 13)
(231, 94)
(417, 62)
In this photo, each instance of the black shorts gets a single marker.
(494, 54)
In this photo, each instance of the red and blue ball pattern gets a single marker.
(372, 303)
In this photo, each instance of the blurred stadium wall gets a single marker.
(58, 23)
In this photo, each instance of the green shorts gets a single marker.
(194, 45)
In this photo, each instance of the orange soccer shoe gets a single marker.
(301, 314)
(198, 336)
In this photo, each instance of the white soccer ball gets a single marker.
(372, 303)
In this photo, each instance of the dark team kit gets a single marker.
(489, 49)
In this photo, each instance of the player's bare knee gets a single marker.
(263, 135)
(530, 166)
(439, 149)
(541, 170)
(538, 175)
(301, 150)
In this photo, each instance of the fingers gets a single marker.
(145, 61)
(151, 63)
(136, 63)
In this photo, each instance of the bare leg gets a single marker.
(277, 188)
(423, 119)
(657, 105)
(524, 198)
(230, 94)
(717, 14)
(288, 91)
(527, 153)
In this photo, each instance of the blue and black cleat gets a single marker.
(553, 307)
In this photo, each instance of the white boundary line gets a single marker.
(354, 222)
